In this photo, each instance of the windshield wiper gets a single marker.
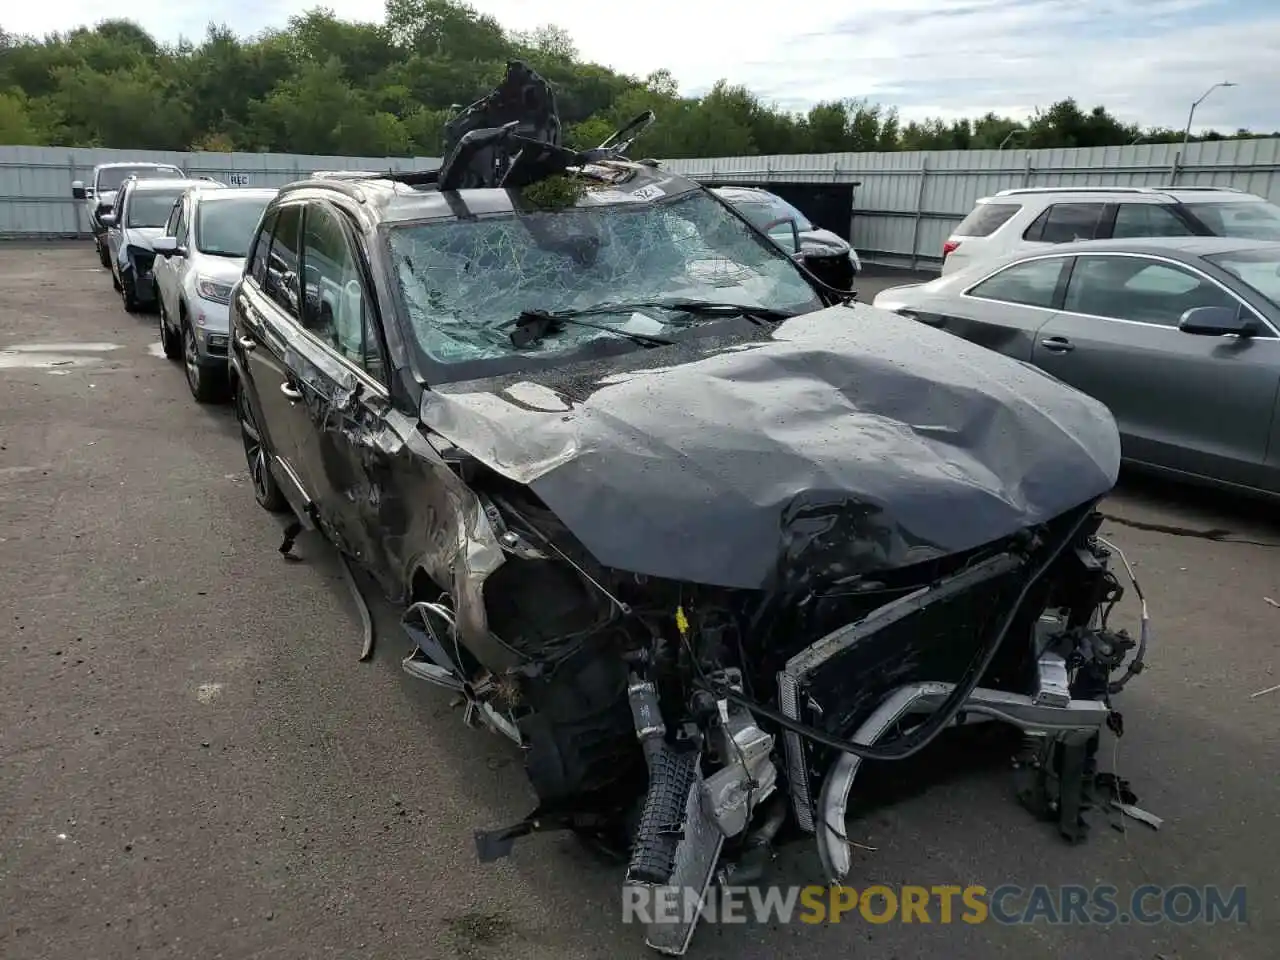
(687, 305)
(532, 325)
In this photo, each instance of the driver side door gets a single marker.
(1191, 403)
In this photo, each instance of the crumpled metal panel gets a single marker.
(848, 431)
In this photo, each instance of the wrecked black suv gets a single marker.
(693, 532)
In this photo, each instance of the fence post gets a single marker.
(1028, 172)
(915, 230)
(1174, 167)
(75, 204)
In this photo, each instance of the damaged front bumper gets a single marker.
(1067, 726)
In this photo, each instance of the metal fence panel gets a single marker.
(904, 207)
(35, 182)
(907, 203)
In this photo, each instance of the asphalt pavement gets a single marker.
(194, 764)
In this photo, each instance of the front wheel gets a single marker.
(169, 341)
(103, 257)
(205, 383)
(265, 489)
(128, 293)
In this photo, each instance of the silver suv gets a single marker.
(1031, 218)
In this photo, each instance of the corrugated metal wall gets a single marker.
(904, 208)
(35, 182)
(908, 203)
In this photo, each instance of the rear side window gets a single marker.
(1067, 222)
(986, 219)
(1033, 283)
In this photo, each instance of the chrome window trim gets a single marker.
(1116, 253)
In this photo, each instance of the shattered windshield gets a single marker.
(465, 281)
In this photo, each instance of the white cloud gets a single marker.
(1146, 60)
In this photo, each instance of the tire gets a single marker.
(206, 385)
(127, 294)
(103, 256)
(115, 282)
(170, 342)
(256, 454)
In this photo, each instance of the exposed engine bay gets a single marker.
(687, 725)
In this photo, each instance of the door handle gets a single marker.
(291, 392)
(1057, 344)
(246, 343)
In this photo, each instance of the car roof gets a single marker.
(168, 183)
(217, 191)
(1184, 194)
(408, 196)
(135, 164)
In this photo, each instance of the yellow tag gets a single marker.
(682, 622)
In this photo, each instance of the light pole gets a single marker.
(1186, 134)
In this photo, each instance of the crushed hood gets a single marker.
(848, 427)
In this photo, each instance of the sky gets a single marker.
(1145, 60)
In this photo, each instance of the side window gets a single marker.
(184, 222)
(1148, 220)
(1067, 222)
(261, 249)
(337, 309)
(171, 225)
(1032, 283)
(281, 283)
(1135, 288)
(986, 219)
(177, 222)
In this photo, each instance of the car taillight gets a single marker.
(949, 248)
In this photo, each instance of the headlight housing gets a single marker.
(217, 291)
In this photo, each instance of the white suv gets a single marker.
(1034, 217)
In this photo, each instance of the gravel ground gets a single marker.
(193, 764)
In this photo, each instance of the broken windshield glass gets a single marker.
(464, 280)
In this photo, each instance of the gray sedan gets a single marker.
(1178, 336)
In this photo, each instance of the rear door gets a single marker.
(1068, 222)
(1196, 404)
(1004, 311)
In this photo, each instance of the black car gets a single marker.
(828, 255)
(659, 509)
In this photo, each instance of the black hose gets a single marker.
(923, 735)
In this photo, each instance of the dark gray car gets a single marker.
(1177, 336)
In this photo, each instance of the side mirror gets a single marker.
(1218, 322)
(78, 191)
(167, 247)
(107, 219)
(785, 222)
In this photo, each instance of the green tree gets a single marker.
(328, 85)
